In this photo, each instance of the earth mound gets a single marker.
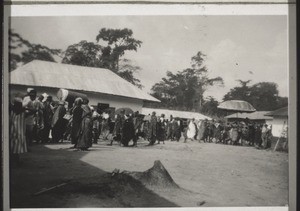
(157, 177)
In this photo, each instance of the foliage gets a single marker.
(21, 50)
(114, 43)
(210, 108)
(117, 42)
(263, 96)
(184, 90)
(84, 54)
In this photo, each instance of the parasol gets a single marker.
(127, 111)
(147, 118)
(236, 105)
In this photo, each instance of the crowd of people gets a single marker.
(36, 119)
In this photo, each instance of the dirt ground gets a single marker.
(208, 174)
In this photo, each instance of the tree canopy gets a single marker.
(263, 96)
(107, 53)
(21, 50)
(184, 90)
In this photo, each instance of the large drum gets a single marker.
(69, 96)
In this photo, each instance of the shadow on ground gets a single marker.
(82, 185)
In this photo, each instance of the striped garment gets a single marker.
(17, 133)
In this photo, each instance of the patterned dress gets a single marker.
(17, 133)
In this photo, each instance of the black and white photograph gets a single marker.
(149, 109)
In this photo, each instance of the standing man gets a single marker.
(118, 129)
(137, 122)
(30, 116)
(47, 114)
(57, 125)
(153, 128)
(76, 111)
(161, 126)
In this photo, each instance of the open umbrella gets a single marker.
(127, 111)
(236, 105)
(147, 118)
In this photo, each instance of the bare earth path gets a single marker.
(210, 175)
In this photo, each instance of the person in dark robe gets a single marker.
(176, 129)
(217, 131)
(118, 128)
(96, 125)
(152, 128)
(257, 136)
(137, 122)
(161, 129)
(244, 134)
(58, 123)
(86, 128)
(76, 112)
(251, 136)
(127, 130)
(47, 114)
(170, 129)
(210, 131)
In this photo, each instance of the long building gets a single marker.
(100, 85)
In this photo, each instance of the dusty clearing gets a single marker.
(208, 174)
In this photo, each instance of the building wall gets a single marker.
(94, 98)
(277, 125)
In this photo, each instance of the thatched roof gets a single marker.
(257, 115)
(174, 113)
(236, 105)
(73, 77)
(279, 112)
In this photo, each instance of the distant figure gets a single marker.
(118, 128)
(201, 129)
(170, 129)
(191, 130)
(234, 134)
(48, 115)
(266, 136)
(152, 128)
(76, 122)
(177, 129)
(127, 131)
(257, 135)
(30, 115)
(86, 127)
(58, 124)
(17, 128)
(161, 129)
(137, 122)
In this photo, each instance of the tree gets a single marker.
(184, 90)
(263, 96)
(127, 70)
(210, 108)
(21, 50)
(114, 43)
(117, 42)
(241, 92)
(84, 54)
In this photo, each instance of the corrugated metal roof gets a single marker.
(257, 115)
(51, 74)
(279, 112)
(236, 105)
(174, 113)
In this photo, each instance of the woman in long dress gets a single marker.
(191, 130)
(86, 128)
(201, 130)
(76, 121)
(17, 137)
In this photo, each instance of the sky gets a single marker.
(237, 47)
